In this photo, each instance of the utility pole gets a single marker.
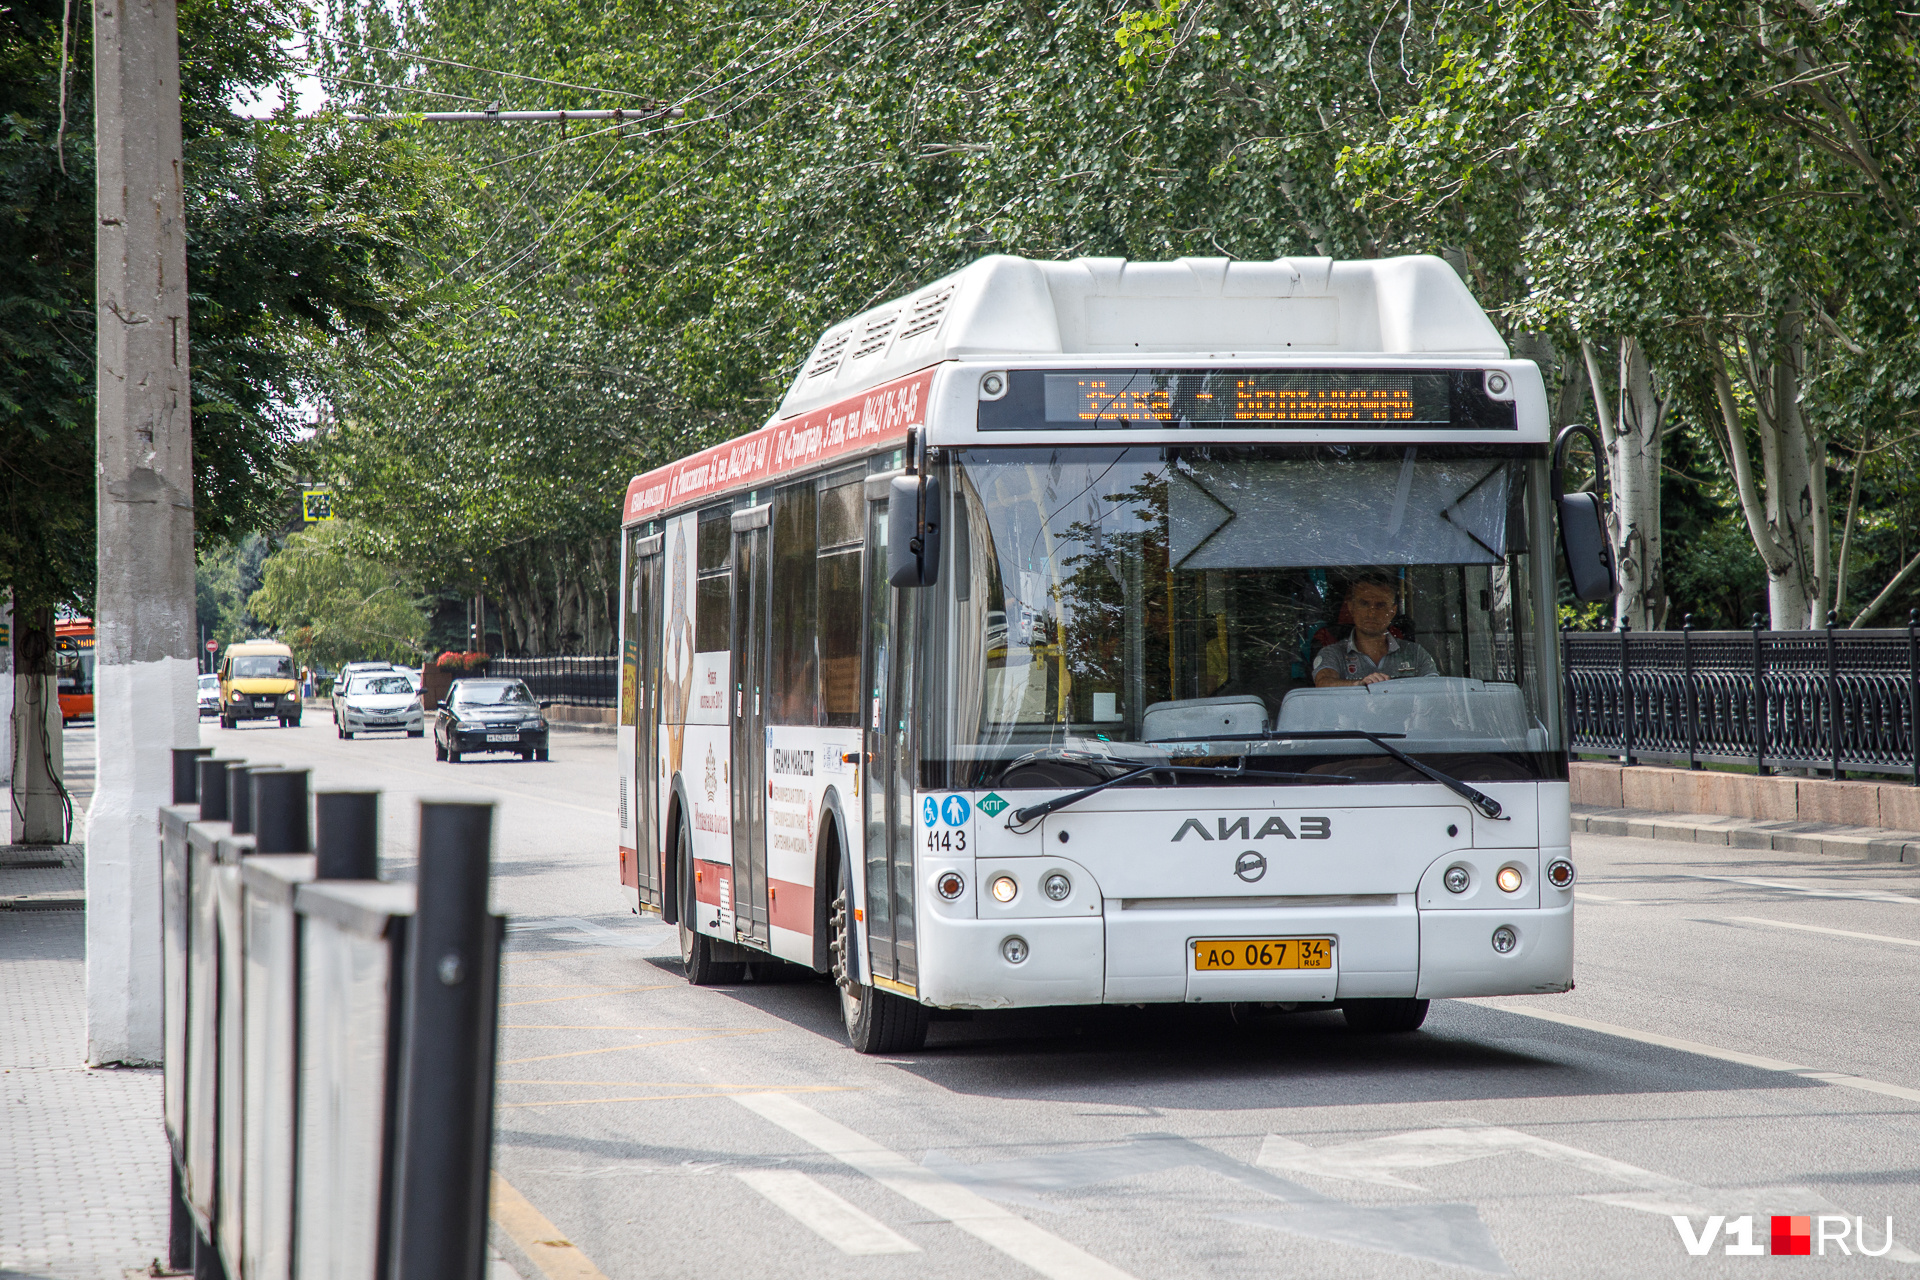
(144, 687)
(7, 751)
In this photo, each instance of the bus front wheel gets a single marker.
(877, 1021)
(1384, 1015)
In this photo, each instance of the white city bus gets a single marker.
(1009, 664)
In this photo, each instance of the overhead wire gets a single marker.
(468, 66)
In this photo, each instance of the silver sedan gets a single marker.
(379, 702)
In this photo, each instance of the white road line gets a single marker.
(974, 1214)
(1860, 895)
(1711, 1051)
(1838, 933)
(827, 1215)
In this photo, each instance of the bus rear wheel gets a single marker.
(1384, 1015)
(877, 1021)
(696, 948)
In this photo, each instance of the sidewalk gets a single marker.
(83, 1154)
(1829, 840)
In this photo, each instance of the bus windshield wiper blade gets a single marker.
(1487, 806)
(1045, 807)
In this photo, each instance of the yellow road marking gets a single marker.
(556, 1256)
(604, 1026)
(649, 1044)
(663, 1097)
(610, 991)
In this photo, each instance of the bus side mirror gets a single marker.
(913, 531)
(1583, 523)
(1583, 540)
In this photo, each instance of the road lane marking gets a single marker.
(974, 1214)
(1379, 1160)
(609, 991)
(841, 1224)
(1859, 895)
(1756, 1061)
(663, 1097)
(604, 1026)
(556, 1256)
(1838, 933)
(645, 1044)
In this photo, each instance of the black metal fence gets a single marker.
(584, 680)
(1835, 700)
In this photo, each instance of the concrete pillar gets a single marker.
(143, 678)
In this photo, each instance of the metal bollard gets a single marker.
(279, 804)
(347, 835)
(446, 1069)
(213, 789)
(240, 795)
(186, 773)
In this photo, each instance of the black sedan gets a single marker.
(489, 715)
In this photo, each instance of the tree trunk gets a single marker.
(1786, 506)
(1630, 429)
(39, 787)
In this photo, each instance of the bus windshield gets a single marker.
(262, 666)
(1165, 602)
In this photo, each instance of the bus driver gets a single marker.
(1370, 654)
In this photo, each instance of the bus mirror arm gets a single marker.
(1583, 522)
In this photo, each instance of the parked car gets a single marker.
(380, 701)
(209, 695)
(257, 683)
(489, 715)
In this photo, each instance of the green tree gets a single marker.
(297, 235)
(333, 604)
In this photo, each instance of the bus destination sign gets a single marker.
(1249, 396)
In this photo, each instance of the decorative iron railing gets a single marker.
(583, 680)
(1835, 700)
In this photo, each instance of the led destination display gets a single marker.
(1249, 397)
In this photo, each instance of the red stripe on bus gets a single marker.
(858, 424)
(790, 905)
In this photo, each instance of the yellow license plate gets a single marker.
(1226, 954)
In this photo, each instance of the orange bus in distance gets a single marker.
(73, 666)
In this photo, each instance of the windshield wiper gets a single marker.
(1487, 806)
(1045, 807)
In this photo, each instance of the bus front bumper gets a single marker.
(1129, 957)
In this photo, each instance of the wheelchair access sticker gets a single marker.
(954, 811)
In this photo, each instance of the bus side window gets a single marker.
(713, 596)
(795, 677)
(842, 525)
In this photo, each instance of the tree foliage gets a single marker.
(333, 604)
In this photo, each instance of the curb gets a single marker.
(1873, 844)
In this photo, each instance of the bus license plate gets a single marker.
(503, 737)
(1224, 954)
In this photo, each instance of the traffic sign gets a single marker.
(316, 505)
(213, 646)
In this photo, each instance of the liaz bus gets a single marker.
(1114, 632)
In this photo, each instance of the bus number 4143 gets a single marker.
(1791, 1234)
(948, 841)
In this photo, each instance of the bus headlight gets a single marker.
(1057, 886)
(1004, 889)
(1560, 873)
(1014, 949)
(1505, 939)
(1456, 879)
(950, 885)
(1508, 879)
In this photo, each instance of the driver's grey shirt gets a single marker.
(1404, 658)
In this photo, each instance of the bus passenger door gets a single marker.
(888, 755)
(752, 597)
(647, 835)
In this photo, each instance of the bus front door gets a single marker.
(888, 753)
(752, 598)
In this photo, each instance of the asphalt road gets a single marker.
(1744, 1039)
